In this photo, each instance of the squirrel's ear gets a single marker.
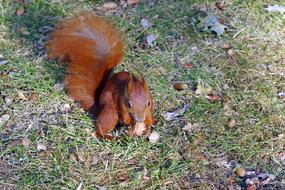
(144, 83)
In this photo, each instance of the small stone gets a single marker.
(240, 172)
(154, 137)
(41, 147)
(8, 100)
(231, 122)
(66, 108)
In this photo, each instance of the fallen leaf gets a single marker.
(221, 5)
(240, 171)
(3, 62)
(212, 23)
(203, 89)
(188, 65)
(251, 187)
(21, 96)
(122, 175)
(133, 2)
(110, 5)
(275, 8)
(14, 143)
(145, 23)
(226, 46)
(180, 86)
(25, 142)
(213, 97)
(168, 116)
(150, 38)
(8, 100)
(24, 31)
(33, 97)
(41, 147)
(59, 86)
(154, 137)
(20, 11)
(4, 118)
(188, 127)
(231, 52)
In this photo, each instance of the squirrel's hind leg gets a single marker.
(108, 117)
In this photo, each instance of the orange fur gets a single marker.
(93, 47)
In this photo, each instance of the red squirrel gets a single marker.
(92, 47)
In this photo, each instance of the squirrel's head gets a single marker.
(139, 101)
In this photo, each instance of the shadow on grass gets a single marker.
(32, 28)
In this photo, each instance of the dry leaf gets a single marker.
(8, 100)
(24, 31)
(14, 143)
(180, 86)
(110, 5)
(33, 97)
(41, 147)
(59, 86)
(20, 11)
(213, 98)
(4, 118)
(145, 23)
(154, 137)
(3, 62)
(21, 96)
(133, 2)
(26, 142)
(168, 116)
(226, 46)
(188, 65)
(150, 38)
(231, 52)
(203, 89)
(221, 5)
(188, 127)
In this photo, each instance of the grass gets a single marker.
(248, 83)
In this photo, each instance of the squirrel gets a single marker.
(92, 47)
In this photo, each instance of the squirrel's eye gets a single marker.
(129, 104)
(148, 104)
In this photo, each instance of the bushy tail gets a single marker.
(93, 47)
